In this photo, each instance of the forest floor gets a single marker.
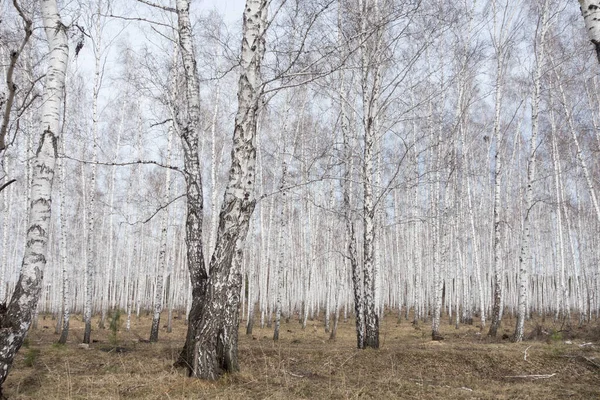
(554, 363)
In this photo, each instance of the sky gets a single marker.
(231, 9)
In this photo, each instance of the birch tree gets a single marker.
(208, 329)
(501, 41)
(525, 264)
(17, 317)
(162, 254)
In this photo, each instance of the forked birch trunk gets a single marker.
(213, 316)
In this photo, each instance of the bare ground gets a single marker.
(555, 363)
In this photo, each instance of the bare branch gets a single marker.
(123, 164)
(6, 184)
(151, 4)
(137, 20)
(162, 207)
(12, 87)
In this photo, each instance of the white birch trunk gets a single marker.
(162, 254)
(90, 268)
(17, 318)
(213, 341)
(525, 262)
(66, 298)
(496, 316)
(281, 259)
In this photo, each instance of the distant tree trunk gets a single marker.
(162, 253)
(64, 333)
(91, 245)
(110, 273)
(280, 261)
(16, 318)
(573, 130)
(496, 237)
(525, 254)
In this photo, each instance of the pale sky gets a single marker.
(231, 9)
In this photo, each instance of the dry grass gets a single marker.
(306, 365)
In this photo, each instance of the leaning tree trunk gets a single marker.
(188, 125)
(16, 318)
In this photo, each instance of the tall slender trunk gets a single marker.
(16, 319)
(188, 124)
(66, 298)
(525, 256)
(496, 236)
(162, 253)
(356, 270)
(281, 244)
(90, 268)
(371, 70)
(110, 273)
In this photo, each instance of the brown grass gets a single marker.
(306, 365)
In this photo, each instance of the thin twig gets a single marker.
(525, 357)
(531, 376)
(6, 184)
(151, 4)
(122, 164)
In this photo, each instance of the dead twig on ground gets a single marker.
(530, 376)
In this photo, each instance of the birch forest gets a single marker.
(265, 164)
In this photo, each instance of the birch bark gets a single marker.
(497, 168)
(590, 10)
(162, 254)
(188, 124)
(371, 86)
(214, 317)
(16, 319)
(525, 256)
(90, 267)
